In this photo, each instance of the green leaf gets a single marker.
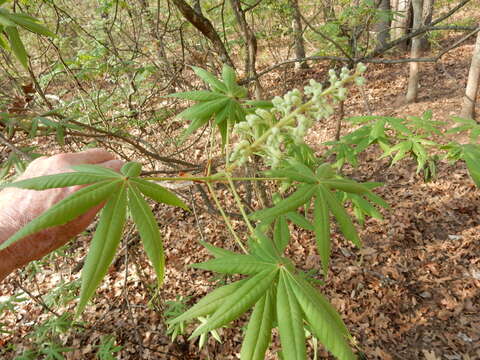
(209, 303)
(236, 264)
(377, 199)
(27, 23)
(3, 39)
(158, 193)
(214, 83)
(401, 148)
(131, 169)
(96, 169)
(259, 329)
(216, 251)
(204, 110)
(346, 185)
(194, 126)
(229, 78)
(201, 95)
(148, 229)
(264, 104)
(103, 246)
(57, 181)
(263, 247)
(321, 224)
(366, 207)
(299, 220)
(298, 198)
(17, 45)
(471, 155)
(290, 322)
(325, 171)
(224, 113)
(67, 209)
(343, 219)
(5, 19)
(324, 320)
(243, 299)
(281, 234)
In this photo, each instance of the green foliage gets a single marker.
(107, 348)
(318, 185)
(222, 103)
(280, 297)
(10, 39)
(118, 191)
(397, 137)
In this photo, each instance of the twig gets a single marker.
(336, 44)
(35, 298)
(7, 143)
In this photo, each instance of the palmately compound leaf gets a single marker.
(343, 219)
(290, 322)
(321, 225)
(236, 264)
(104, 243)
(239, 302)
(299, 197)
(58, 181)
(67, 209)
(209, 303)
(148, 229)
(323, 319)
(259, 329)
(131, 169)
(158, 193)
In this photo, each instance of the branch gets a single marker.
(337, 45)
(135, 145)
(420, 31)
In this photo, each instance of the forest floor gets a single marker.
(411, 292)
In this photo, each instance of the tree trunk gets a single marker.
(298, 35)
(427, 20)
(400, 20)
(204, 25)
(412, 91)
(251, 44)
(469, 100)
(383, 26)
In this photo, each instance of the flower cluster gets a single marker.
(272, 133)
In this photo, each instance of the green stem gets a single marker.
(240, 206)
(226, 219)
(213, 178)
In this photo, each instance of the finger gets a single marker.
(113, 164)
(90, 156)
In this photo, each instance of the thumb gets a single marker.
(113, 164)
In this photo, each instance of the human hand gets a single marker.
(20, 206)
